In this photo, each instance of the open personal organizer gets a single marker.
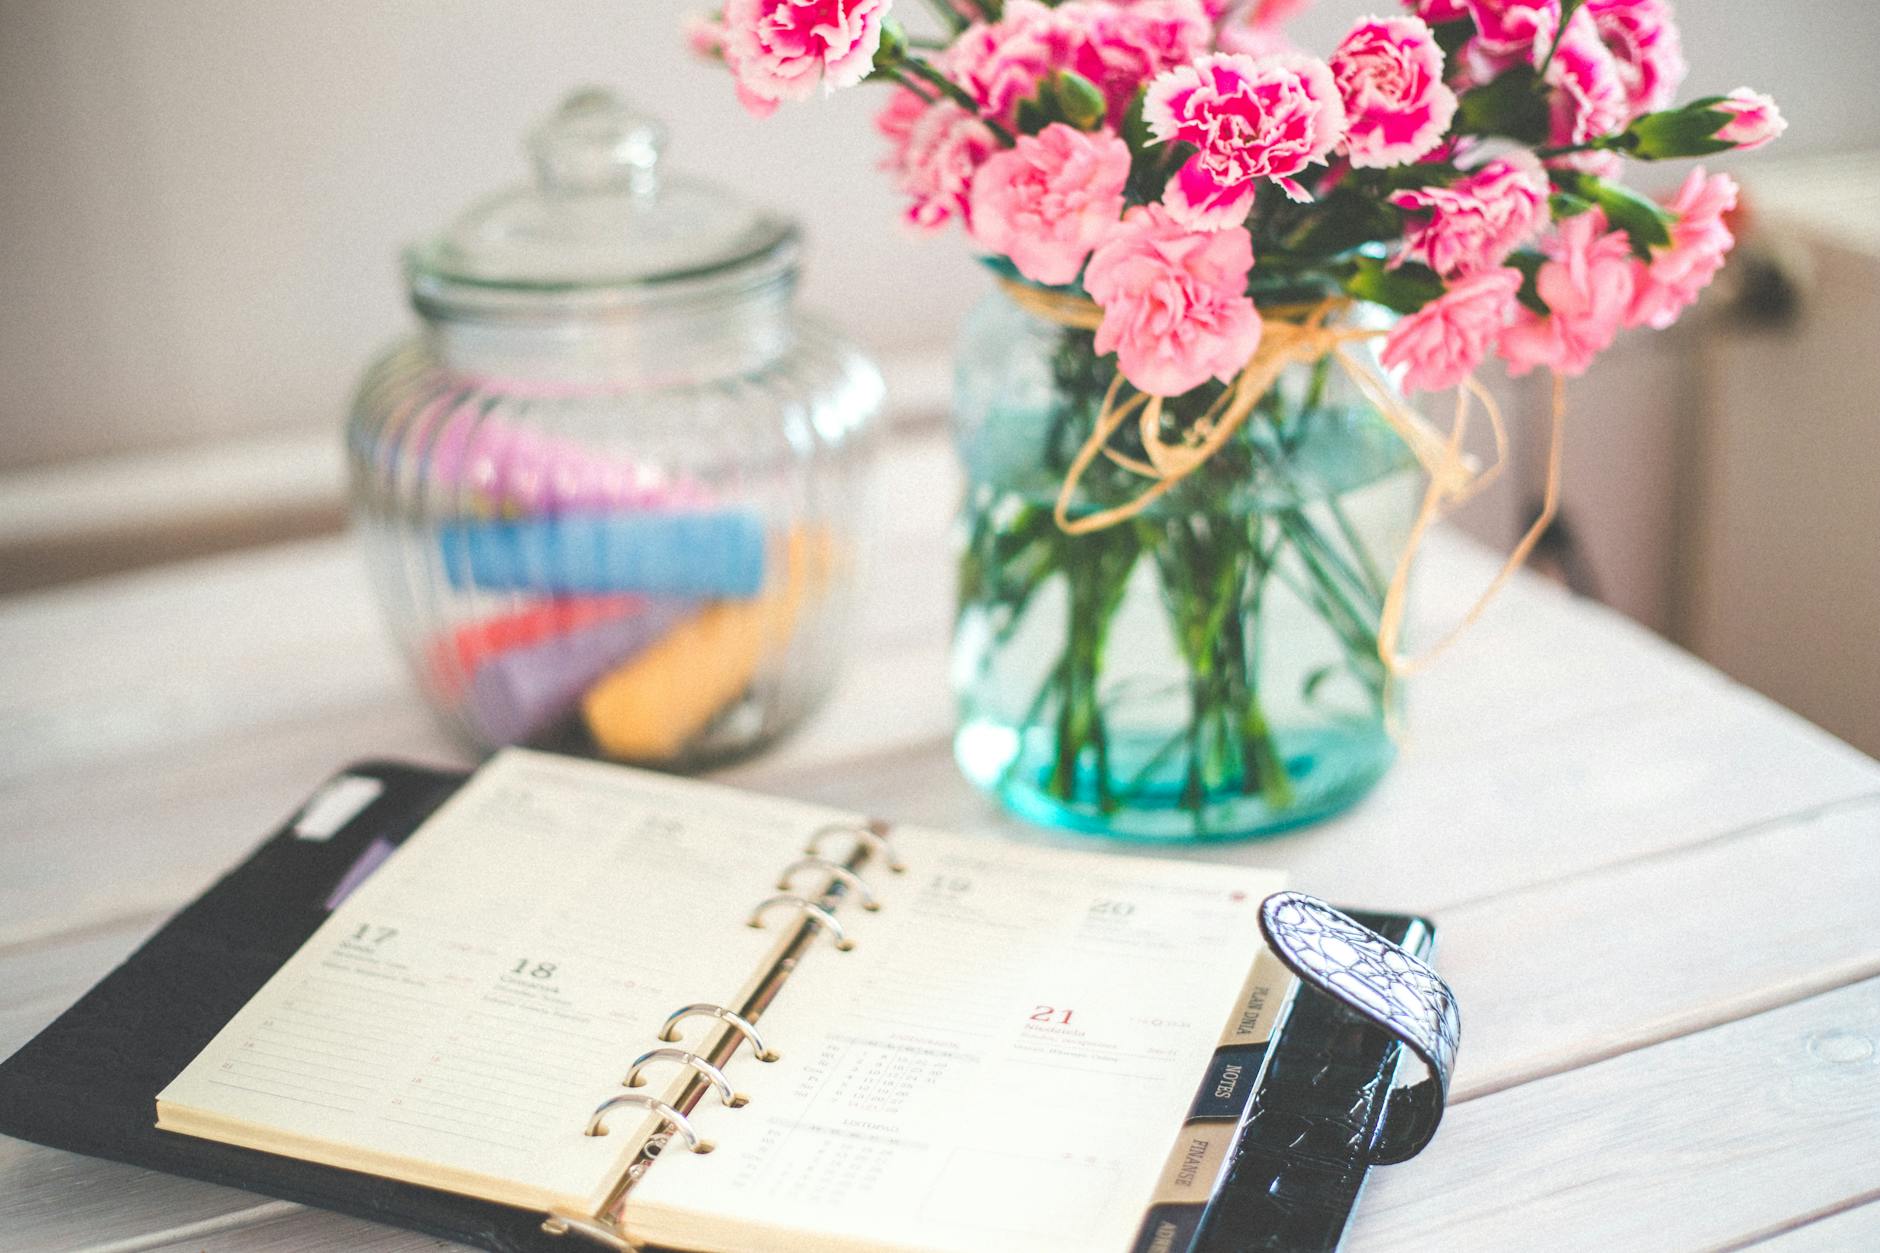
(563, 1004)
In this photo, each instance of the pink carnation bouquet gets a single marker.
(1203, 213)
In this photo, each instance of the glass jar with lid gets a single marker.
(612, 490)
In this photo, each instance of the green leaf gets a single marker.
(1512, 104)
(1529, 263)
(1150, 161)
(1034, 114)
(1079, 101)
(1452, 37)
(1690, 131)
(1641, 218)
(1405, 289)
(1342, 220)
(1406, 177)
(1136, 131)
(1567, 205)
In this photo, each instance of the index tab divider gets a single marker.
(1197, 1164)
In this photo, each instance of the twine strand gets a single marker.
(1296, 335)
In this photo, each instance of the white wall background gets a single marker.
(201, 200)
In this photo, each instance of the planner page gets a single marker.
(458, 1018)
(1002, 1062)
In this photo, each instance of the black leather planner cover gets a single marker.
(88, 1082)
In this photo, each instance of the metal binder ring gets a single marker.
(711, 1073)
(667, 1114)
(669, 1032)
(868, 835)
(811, 911)
(836, 870)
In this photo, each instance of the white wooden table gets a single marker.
(1658, 894)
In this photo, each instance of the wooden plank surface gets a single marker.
(1584, 809)
(1846, 1229)
(1698, 1142)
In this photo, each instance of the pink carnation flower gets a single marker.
(1175, 307)
(1215, 10)
(1001, 63)
(782, 49)
(1671, 281)
(895, 122)
(1123, 48)
(1390, 75)
(1275, 12)
(1259, 29)
(1250, 120)
(1117, 47)
(705, 35)
(945, 147)
(1522, 29)
(1754, 121)
(1438, 11)
(1258, 42)
(1647, 51)
(1472, 225)
(1048, 201)
(1589, 96)
(1442, 343)
(1587, 284)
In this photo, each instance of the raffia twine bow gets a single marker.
(1300, 335)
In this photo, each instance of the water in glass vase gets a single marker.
(1205, 669)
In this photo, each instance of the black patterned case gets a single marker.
(88, 1082)
(1325, 1112)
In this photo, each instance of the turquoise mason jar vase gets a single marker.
(1207, 669)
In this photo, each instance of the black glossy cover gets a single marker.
(88, 1082)
(1311, 1133)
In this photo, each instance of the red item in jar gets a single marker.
(456, 656)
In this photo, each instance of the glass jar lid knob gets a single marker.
(597, 143)
(602, 225)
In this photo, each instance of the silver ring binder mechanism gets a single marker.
(841, 879)
(738, 1022)
(811, 911)
(835, 870)
(716, 1077)
(597, 1124)
(869, 835)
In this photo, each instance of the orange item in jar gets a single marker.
(651, 708)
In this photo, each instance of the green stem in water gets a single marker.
(1324, 564)
(1374, 579)
(1096, 570)
(1259, 748)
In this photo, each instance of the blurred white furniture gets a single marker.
(1721, 477)
(1656, 891)
(1784, 556)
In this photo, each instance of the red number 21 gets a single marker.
(1045, 1013)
